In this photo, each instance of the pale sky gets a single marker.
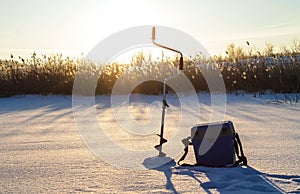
(72, 27)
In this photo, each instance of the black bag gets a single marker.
(224, 150)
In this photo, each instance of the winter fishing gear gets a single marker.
(225, 148)
(223, 152)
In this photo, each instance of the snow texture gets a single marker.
(41, 150)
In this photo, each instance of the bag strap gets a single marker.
(237, 147)
(186, 142)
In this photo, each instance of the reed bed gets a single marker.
(241, 71)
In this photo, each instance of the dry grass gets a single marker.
(241, 70)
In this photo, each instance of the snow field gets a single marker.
(41, 150)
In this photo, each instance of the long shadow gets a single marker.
(32, 102)
(224, 180)
(166, 169)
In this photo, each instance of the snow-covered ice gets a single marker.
(41, 150)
